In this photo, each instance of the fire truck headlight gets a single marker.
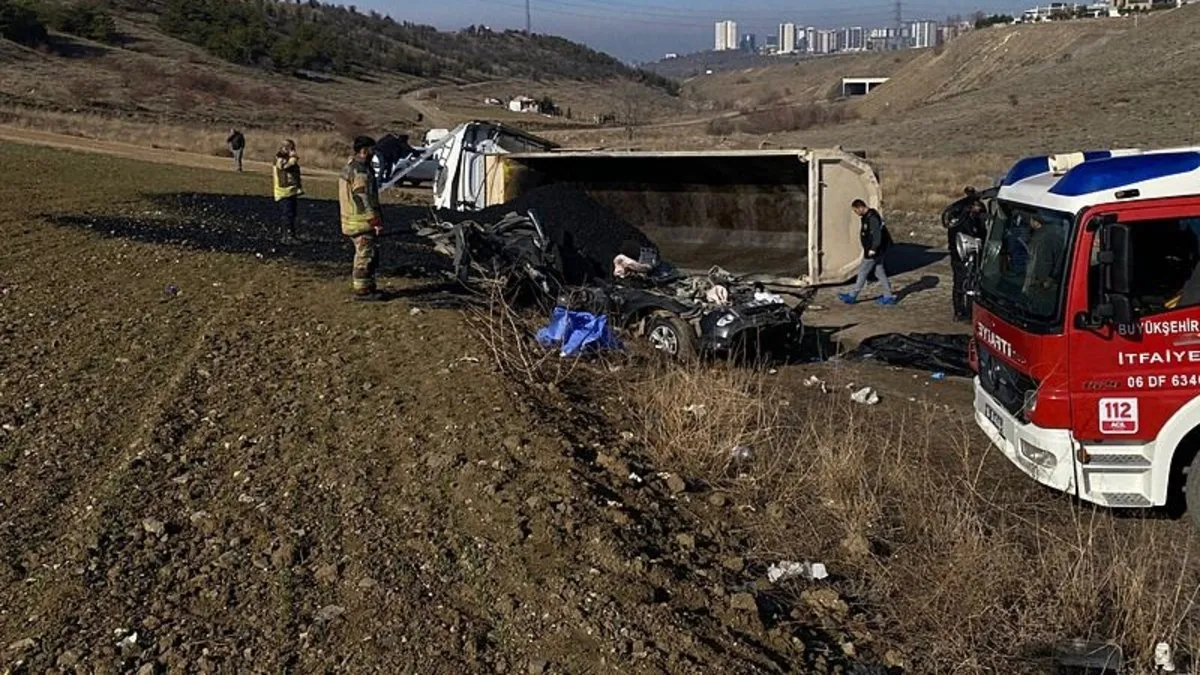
(1038, 456)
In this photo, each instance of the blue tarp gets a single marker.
(575, 332)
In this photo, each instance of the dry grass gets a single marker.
(972, 575)
(324, 150)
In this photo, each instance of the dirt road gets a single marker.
(140, 153)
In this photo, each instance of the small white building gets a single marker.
(523, 104)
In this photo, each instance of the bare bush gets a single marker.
(794, 118)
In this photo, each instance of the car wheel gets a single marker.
(672, 336)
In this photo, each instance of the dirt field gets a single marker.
(212, 461)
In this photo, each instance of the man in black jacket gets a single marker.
(237, 146)
(876, 241)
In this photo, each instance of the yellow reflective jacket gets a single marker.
(287, 177)
(358, 196)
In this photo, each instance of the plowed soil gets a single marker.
(212, 461)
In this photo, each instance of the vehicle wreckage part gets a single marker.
(752, 211)
(763, 211)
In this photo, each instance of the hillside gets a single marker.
(157, 76)
(1003, 91)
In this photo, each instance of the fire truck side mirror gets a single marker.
(1116, 245)
(1116, 259)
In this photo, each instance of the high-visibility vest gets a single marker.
(358, 196)
(286, 176)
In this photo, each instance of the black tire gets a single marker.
(1191, 489)
(672, 336)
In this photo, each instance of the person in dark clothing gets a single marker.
(876, 242)
(971, 220)
(237, 146)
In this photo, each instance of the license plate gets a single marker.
(994, 417)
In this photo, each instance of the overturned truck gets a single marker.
(782, 214)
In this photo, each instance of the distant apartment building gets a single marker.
(881, 39)
(923, 34)
(826, 42)
(749, 43)
(726, 36)
(810, 40)
(854, 38)
(787, 38)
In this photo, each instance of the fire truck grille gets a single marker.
(1008, 386)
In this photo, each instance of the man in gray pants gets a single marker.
(237, 147)
(876, 242)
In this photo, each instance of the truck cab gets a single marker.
(1087, 325)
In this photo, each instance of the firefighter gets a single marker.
(287, 187)
(358, 196)
(971, 220)
(876, 241)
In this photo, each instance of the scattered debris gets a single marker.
(938, 376)
(865, 396)
(697, 409)
(1163, 658)
(741, 453)
(576, 332)
(788, 569)
(930, 352)
(414, 311)
(129, 640)
(814, 381)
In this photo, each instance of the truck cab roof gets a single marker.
(1072, 182)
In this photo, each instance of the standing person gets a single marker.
(876, 241)
(237, 146)
(972, 222)
(358, 196)
(286, 178)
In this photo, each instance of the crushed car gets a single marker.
(681, 315)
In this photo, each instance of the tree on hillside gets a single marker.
(85, 18)
(20, 23)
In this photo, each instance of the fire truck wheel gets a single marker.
(1192, 490)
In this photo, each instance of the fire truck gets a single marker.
(1087, 325)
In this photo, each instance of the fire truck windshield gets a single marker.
(1024, 262)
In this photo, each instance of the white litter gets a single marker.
(129, 640)
(766, 297)
(634, 477)
(789, 569)
(1163, 660)
(697, 409)
(865, 396)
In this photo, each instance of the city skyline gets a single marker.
(636, 31)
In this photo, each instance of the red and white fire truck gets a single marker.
(1087, 325)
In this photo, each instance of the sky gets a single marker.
(645, 30)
